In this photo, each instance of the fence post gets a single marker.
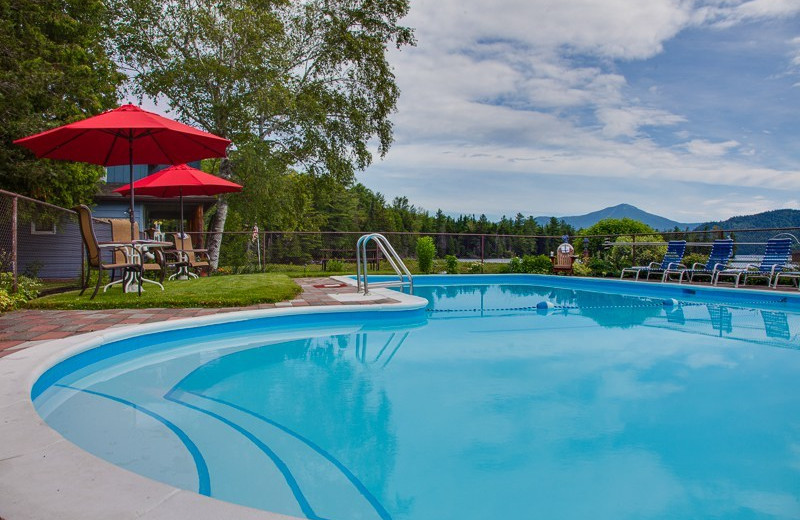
(14, 286)
(482, 237)
(264, 250)
(633, 250)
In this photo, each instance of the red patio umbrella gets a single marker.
(126, 135)
(180, 180)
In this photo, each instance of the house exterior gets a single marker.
(147, 209)
(48, 241)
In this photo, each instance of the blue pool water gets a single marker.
(636, 403)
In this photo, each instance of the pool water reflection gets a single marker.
(606, 406)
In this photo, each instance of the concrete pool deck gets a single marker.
(44, 476)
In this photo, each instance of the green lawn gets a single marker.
(214, 291)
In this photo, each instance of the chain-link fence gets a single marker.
(42, 240)
(240, 249)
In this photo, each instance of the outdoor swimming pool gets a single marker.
(617, 400)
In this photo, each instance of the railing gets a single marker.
(362, 279)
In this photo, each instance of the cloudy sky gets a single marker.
(689, 109)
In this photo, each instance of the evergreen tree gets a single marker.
(54, 69)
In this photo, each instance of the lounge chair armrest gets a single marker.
(675, 265)
(719, 267)
(777, 267)
(654, 265)
(700, 265)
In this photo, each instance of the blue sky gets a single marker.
(685, 108)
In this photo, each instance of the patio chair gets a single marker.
(191, 258)
(672, 258)
(564, 258)
(121, 232)
(94, 250)
(776, 258)
(721, 252)
(776, 324)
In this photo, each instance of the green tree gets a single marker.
(308, 79)
(610, 228)
(54, 69)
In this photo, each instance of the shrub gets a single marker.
(515, 265)
(692, 258)
(581, 269)
(539, 264)
(426, 250)
(335, 265)
(621, 256)
(7, 303)
(600, 267)
(27, 289)
(451, 264)
(475, 268)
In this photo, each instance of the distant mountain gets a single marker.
(619, 211)
(769, 219)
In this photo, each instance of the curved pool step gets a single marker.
(316, 476)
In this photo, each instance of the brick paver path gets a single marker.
(19, 328)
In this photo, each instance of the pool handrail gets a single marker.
(404, 275)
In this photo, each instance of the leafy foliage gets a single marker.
(304, 85)
(621, 256)
(426, 250)
(27, 289)
(611, 227)
(54, 69)
(451, 264)
(532, 264)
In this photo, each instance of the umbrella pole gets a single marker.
(133, 219)
(130, 174)
(180, 192)
(183, 239)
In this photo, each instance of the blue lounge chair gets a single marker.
(721, 252)
(673, 257)
(776, 258)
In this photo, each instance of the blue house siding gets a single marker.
(50, 256)
(119, 210)
(122, 175)
(54, 256)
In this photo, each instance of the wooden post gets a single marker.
(196, 226)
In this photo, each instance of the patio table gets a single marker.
(135, 253)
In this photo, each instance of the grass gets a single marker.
(349, 268)
(214, 291)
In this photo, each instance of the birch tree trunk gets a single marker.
(217, 225)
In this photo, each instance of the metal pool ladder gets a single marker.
(403, 274)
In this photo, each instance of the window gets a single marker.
(43, 228)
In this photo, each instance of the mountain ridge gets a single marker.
(620, 211)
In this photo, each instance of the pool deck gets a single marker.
(26, 328)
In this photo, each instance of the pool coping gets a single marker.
(44, 476)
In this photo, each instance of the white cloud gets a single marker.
(704, 148)
(497, 99)
(729, 13)
(627, 121)
(626, 29)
